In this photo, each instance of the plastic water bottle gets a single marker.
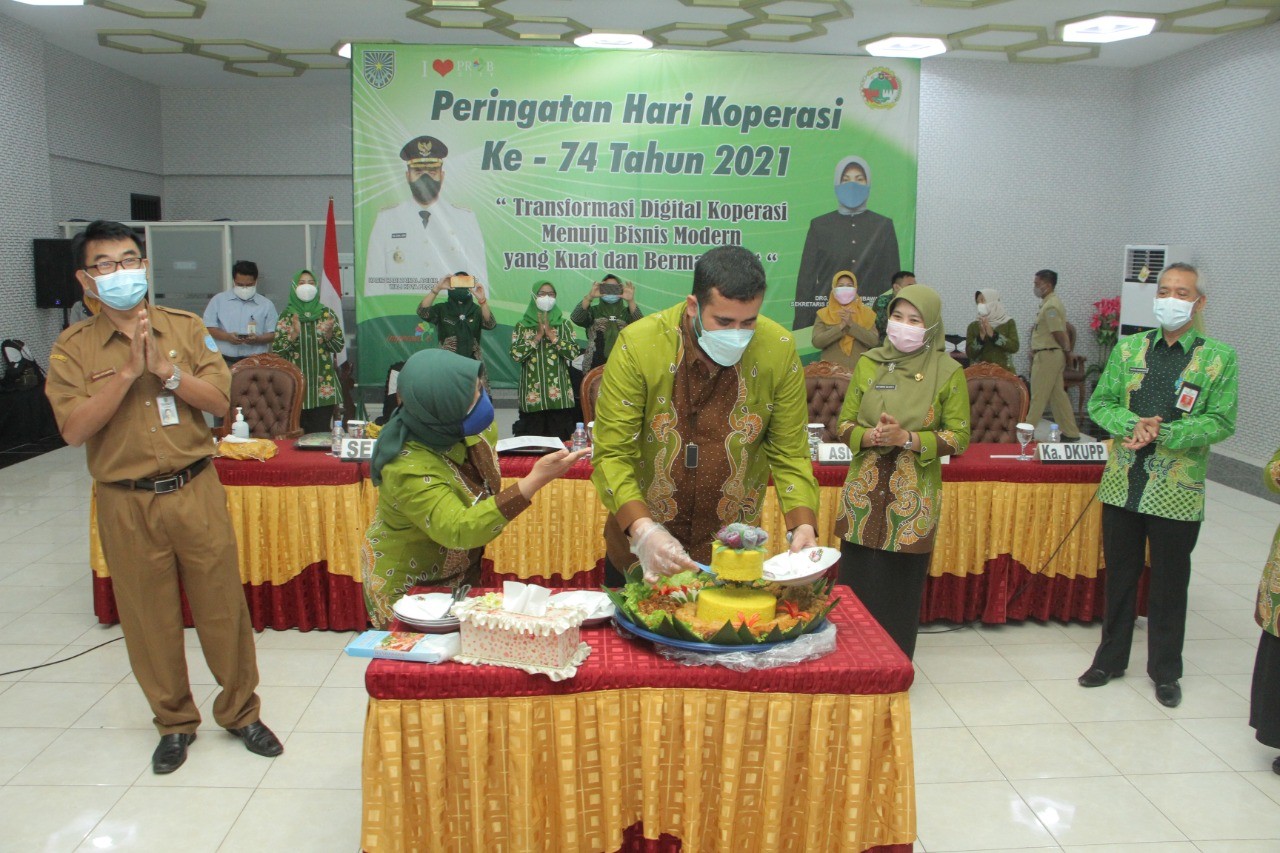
(1055, 434)
(335, 445)
(815, 440)
(580, 441)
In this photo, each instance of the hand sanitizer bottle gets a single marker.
(240, 429)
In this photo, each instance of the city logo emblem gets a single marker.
(379, 67)
(881, 88)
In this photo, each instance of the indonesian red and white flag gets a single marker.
(331, 278)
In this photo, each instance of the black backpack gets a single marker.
(20, 371)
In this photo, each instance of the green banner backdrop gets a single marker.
(565, 164)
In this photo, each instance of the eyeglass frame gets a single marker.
(115, 265)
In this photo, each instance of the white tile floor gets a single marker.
(1010, 752)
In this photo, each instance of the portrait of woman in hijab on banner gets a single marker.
(851, 237)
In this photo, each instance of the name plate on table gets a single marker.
(1091, 453)
(834, 453)
(357, 449)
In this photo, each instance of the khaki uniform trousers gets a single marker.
(1046, 390)
(151, 543)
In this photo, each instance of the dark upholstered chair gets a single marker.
(998, 402)
(270, 391)
(590, 390)
(1073, 373)
(825, 386)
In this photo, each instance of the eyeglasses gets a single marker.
(108, 267)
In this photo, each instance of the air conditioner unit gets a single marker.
(1142, 266)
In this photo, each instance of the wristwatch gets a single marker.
(172, 383)
(906, 445)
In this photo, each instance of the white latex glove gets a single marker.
(660, 553)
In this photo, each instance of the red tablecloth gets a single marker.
(866, 661)
(290, 467)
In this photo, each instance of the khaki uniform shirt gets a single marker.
(133, 444)
(1052, 318)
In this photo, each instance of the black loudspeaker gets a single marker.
(56, 285)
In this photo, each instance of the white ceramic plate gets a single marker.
(425, 608)
(597, 605)
(800, 567)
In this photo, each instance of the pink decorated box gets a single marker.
(547, 645)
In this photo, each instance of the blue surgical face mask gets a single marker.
(723, 346)
(480, 416)
(610, 298)
(122, 289)
(852, 194)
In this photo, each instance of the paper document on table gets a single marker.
(529, 444)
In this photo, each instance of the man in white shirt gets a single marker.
(422, 241)
(241, 320)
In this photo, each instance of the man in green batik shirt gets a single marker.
(1165, 396)
(901, 279)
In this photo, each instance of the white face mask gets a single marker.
(983, 310)
(545, 303)
(1173, 313)
(306, 292)
(245, 293)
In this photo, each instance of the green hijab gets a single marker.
(312, 309)
(436, 388)
(906, 384)
(531, 314)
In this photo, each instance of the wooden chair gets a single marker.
(998, 402)
(589, 392)
(269, 390)
(825, 386)
(1074, 372)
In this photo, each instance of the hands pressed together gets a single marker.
(1145, 431)
(887, 433)
(144, 354)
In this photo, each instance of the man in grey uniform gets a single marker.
(416, 244)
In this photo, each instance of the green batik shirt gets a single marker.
(1145, 377)
(544, 367)
(1267, 613)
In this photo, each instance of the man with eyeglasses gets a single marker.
(131, 384)
(416, 245)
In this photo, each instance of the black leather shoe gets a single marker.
(1169, 695)
(1275, 765)
(259, 739)
(1095, 677)
(171, 752)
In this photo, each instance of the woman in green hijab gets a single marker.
(543, 345)
(440, 496)
(308, 334)
(907, 406)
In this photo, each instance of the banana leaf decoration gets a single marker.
(729, 634)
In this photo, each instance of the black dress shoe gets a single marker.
(171, 752)
(1169, 695)
(259, 739)
(1096, 677)
(1275, 766)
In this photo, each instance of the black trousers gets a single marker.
(890, 585)
(1125, 537)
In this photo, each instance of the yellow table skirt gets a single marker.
(562, 533)
(280, 530)
(721, 770)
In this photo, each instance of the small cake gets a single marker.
(725, 603)
(738, 553)
(542, 645)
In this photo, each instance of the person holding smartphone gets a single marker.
(461, 318)
(604, 312)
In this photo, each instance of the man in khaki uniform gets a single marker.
(131, 385)
(1049, 347)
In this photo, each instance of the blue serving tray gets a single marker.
(689, 645)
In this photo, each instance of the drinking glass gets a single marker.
(1025, 433)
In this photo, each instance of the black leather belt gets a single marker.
(164, 485)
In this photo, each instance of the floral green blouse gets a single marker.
(1268, 612)
(312, 353)
(892, 500)
(544, 368)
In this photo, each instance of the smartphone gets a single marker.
(610, 288)
(462, 282)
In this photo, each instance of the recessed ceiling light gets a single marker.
(345, 50)
(1107, 28)
(909, 47)
(53, 2)
(615, 41)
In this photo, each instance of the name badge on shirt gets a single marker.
(886, 387)
(1139, 370)
(167, 406)
(1187, 397)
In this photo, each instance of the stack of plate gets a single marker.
(427, 613)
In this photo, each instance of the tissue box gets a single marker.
(547, 645)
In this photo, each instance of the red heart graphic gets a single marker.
(442, 66)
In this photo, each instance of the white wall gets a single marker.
(1205, 167)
